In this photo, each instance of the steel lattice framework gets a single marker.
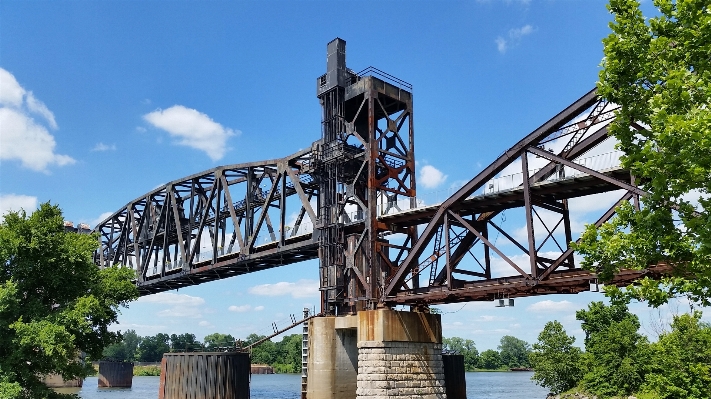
(350, 200)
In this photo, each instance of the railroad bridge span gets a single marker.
(350, 199)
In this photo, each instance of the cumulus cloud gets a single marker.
(181, 311)
(549, 306)
(22, 137)
(512, 38)
(205, 323)
(299, 289)
(258, 308)
(100, 147)
(169, 298)
(192, 128)
(240, 309)
(14, 202)
(430, 177)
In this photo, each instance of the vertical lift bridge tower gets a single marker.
(366, 168)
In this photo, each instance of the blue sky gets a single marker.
(104, 101)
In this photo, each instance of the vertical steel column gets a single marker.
(529, 216)
(373, 271)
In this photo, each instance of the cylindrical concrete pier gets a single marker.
(454, 377)
(205, 375)
(115, 374)
(56, 381)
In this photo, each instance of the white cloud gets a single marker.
(299, 289)
(170, 298)
(38, 107)
(205, 323)
(24, 140)
(430, 177)
(181, 311)
(258, 308)
(13, 202)
(512, 38)
(11, 93)
(501, 44)
(104, 147)
(21, 136)
(193, 129)
(240, 309)
(549, 306)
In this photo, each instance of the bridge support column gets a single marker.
(333, 358)
(399, 355)
(115, 374)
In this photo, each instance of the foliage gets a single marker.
(151, 349)
(284, 356)
(465, 347)
(124, 350)
(514, 352)
(216, 341)
(185, 342)
(146, 371)
(556, 362)
(490, 360)
(54, 302)
(616, 354)
(681, 360)
(659, 71)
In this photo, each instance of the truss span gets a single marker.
(223, 222)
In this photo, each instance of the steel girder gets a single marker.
(464, 220)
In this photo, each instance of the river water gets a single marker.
(498, 385)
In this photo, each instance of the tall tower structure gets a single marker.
(365, 169)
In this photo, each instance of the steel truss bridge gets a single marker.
(350, 200)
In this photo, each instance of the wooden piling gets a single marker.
(205, 375)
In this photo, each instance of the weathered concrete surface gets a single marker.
(56, 381)
(390, 325)
(333, 360)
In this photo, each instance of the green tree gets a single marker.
(288, 353)
(214, 342)
(514, 351)
(264, 353)
(54, 302)
(151, 349)
(616, 355)
(125, 350)
(490, 360)
(186, 342)
(681, 361)
(465, 347)
(556, 362)
(659, 72)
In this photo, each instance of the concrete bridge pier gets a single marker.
(376, 354)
